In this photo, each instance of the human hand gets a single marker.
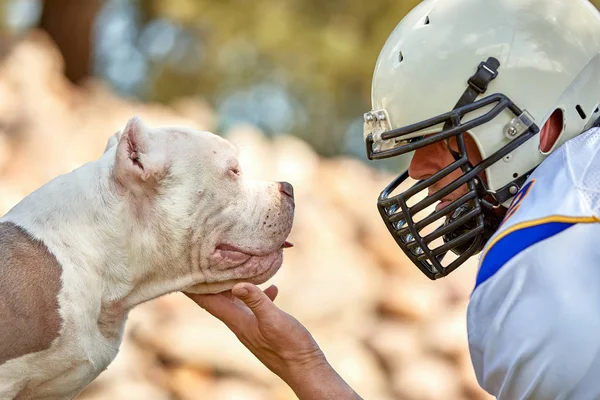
(277, 339)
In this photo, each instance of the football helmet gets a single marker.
(492, 69)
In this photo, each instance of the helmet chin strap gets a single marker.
(477, 85)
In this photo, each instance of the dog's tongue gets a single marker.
(287, 244)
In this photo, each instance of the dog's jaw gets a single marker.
(269, 270)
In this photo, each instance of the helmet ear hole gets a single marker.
(551, 131)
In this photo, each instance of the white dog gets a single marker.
(163, 210)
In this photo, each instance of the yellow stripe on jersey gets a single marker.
(540, 221)
(521, 236)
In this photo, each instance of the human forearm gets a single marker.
(279, 341)
(318, 382)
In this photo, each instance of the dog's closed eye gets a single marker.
(235, 171)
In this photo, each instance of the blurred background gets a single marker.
(296, 66)
(288, 82)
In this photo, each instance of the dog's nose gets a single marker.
(287, 189)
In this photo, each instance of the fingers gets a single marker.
(222, 308)
(271, 292)
(251, 300)
(258, 301)
(210, 302)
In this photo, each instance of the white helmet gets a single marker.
(496, 70)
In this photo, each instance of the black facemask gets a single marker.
(466, 223)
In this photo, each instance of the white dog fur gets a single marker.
(163, 210)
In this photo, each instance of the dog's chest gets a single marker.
(59, 373)
(85, 348)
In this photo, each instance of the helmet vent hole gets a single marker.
(426, 20)
(400, 57)
(580, 112)
(596, 110)
(515, 175)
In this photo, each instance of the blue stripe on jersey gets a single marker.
(513, 243)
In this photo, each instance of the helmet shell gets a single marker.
(549, 59)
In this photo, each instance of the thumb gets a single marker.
(255, 299)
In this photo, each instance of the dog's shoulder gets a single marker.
(30, 281)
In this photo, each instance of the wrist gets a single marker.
(301, 366)
(315, 378)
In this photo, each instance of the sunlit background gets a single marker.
(288, 82)
(292, 66)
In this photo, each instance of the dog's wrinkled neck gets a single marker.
(143, 256)
(154, 246)
(150, 266)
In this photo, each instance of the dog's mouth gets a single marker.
(230, 264)
(235, 253)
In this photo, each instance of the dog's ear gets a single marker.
(139, 161)
(112, 141)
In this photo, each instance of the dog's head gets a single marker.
(191, 206)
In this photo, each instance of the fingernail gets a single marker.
(241, 292)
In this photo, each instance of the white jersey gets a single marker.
(534, 315)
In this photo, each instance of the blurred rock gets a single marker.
(427, 378)
(354, 188)
(447, 334)
(4, 150)
(235, 389)
(396, 343)
(356, 365)
(412, 299)
(183, 333)
(135, 390)
(191, 383)
(9, 197)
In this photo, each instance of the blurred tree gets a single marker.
(70, 23)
